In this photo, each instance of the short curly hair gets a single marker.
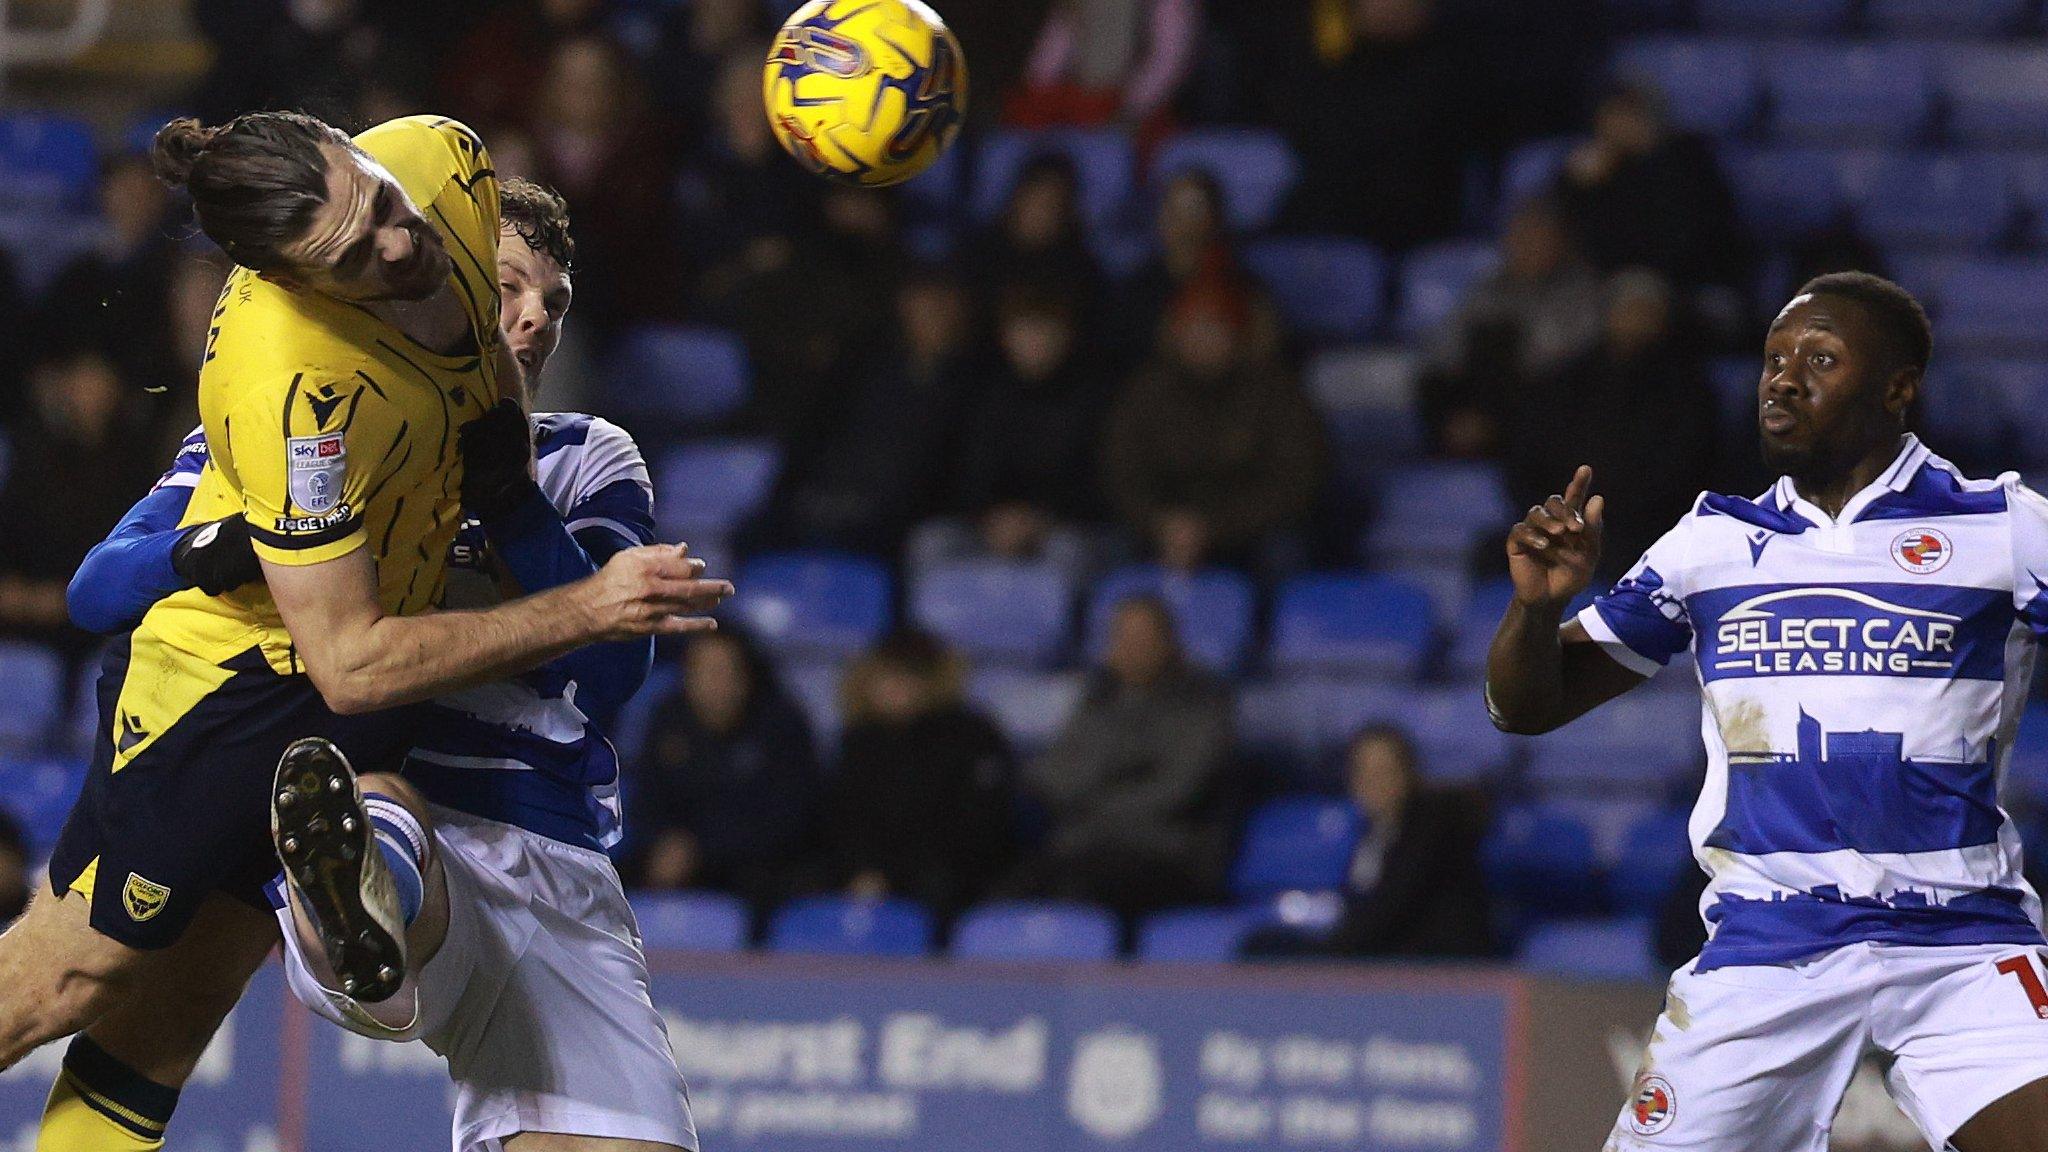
(540, 216)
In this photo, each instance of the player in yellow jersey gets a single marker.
(347, 354)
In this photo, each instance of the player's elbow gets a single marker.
(345, 690)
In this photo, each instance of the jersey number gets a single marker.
(2021, 968)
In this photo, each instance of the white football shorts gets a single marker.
(1756, 1058)
(538, 997)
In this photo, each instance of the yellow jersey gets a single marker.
(330, 430)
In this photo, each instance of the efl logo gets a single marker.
(1655, 1106)
(1922, 550)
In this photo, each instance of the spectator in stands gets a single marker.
(1645, 372)
(1539, 309)
(921, 804)
(1192, 240)
(1135, 782)
(72, 475)
(1041, 236)
(495, 71)
(116, 298)
(596, 141)
(882, 468)
(695, 39)
(1213, 451)
(1109, 62)
(1638, 192)
(13, 869)
(1022, 487)
(312, 55)
(1415, 887)
(728, 788)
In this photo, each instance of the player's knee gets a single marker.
(399, 791)
(57, 975)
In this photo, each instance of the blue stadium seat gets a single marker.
(1542, 859)
(1296, 842)
(1749, 17)
(1995, 304)
(630, 730)
(47, 161)
(1255, 167)
(1194, 935)
(1531, 170)
(1048, 930)
(1592, 949)
(1784, 194)
(1473, 637)
(840, 926)
(1328, 287)
(1030, 707)
(44, 242)
(1654, 855)
(1735, 380)
(1457, 742)
(1710, 86)
(1215, 610)
(711, 487)
(1103, 161)
(1277, 719)
(1435, 281)
(1644, 739)
(1358, 623)
(1437, 510)
(39, 791)
(814, 687)
(936, 192)
(1974, 18)
(35, 696)
(1366, 394)
(692, 921)
(996, 609)
(679, 372)
(817, 602)
(1962, 201)
(1831, 92)
(1965, 406)
(1995, 94)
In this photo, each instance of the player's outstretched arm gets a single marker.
(1542, 673)
(362, 660)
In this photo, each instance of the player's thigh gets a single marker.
(57, 974)
(562, 1142)
(1746, 1059)
(160, 1027)
(2015, 1122)
(1968, 1031)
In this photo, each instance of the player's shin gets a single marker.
(100, 1104)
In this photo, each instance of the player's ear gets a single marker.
(1902, 391)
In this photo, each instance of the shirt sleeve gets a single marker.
(306, 462)
(131, 569)
(2029, 515)
(187, 464)
(1642, 621)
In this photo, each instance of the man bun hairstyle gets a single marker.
(1899, 316)
(540, 216)
(255, 182)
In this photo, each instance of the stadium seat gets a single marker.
(1784, 194)
(36, 689)
(1296, 842)
(1592, 949)
(1995, 304)
(1958, 201)
(712, 487)
(1543, 860)
(996, 609)
(1435, 281)
(1532, 170)
(630, 729)
(691, 921)
(684, 373)
(1367, 397)
(1255, 167)
(840, 926)
(1995, 94)
(1881, 92)
(1215, 610)
(1194, 935)
(1328, 287)
(39, 791)
(1030, 707)
(1454, 737)
(1749, 17)
(1103, 161)
(1277, 720)
(1437, 511)
(814, 686)
(43, 243)
(936, 192)
(1654, 854)
(1710, 86)
(47, 162)
(1972, 18)
(1644, 739)
(1356, 623)
(1971, 406)
(1040, 931)
(1472, 637)
(815, 602)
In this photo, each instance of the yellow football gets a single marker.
(866, 91)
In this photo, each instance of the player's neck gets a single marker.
(1832, 492)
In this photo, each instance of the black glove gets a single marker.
(497, 448)
(215, 557)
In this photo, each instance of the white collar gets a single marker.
(1912, 455)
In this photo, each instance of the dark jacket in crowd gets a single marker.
(1031, 442)
(1429, 897)
(1670, 210)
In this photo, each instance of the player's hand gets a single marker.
(215, 557)
(657, 590)
(1553, 551)
(497, 461)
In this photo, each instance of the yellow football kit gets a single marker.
(330, 431)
